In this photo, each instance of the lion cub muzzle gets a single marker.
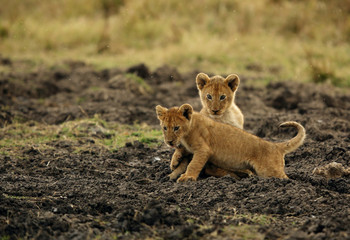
(170, 143)
(215, 112)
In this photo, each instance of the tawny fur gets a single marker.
(217, 95)
(221, 110)
(225, 146)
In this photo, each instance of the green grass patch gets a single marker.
(247, 232)
(20, 197)
(259, 219)
(109, 135)
(144, 87)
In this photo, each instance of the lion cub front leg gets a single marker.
(180, 169)
(175, 159)
(198, 162)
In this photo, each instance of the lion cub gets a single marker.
(217, 95)
(225, 146)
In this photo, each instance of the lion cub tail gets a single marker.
(295, 142)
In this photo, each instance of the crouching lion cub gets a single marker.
(225, 146)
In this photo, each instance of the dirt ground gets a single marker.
(126, 194)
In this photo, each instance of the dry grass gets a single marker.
(265, 39)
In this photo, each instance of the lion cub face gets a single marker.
(175, 123)
(217, 93)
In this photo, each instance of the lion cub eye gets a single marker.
(209, 97)
(164, 128)
(222, 97)
(176, 128)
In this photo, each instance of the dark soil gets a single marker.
(57, 193)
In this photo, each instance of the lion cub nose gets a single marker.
(171, 143)
(215, 111)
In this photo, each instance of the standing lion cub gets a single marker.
(217, 96)
(225, 146)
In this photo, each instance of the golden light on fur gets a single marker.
(225, 146)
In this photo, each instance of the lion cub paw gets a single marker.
(173, 175)
(185, 178)
(173, 165)
(175, 161)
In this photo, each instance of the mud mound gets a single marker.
(56, 96)
(332, 170)
(126, 194)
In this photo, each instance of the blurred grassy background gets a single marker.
(305, 40)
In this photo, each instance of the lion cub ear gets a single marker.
(201, 80)
(186, 110)
(160, 112)
(232, 81)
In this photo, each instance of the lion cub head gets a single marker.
(175, 123)
(217, 93)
